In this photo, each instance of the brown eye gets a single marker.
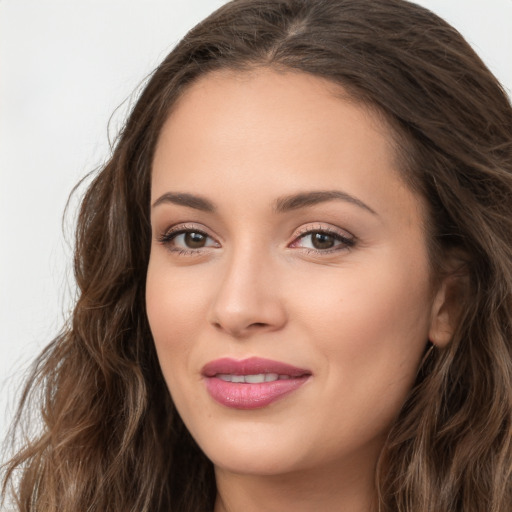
(195, 240)
(322, 241)
(188, 240)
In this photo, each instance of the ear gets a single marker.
(447, 305)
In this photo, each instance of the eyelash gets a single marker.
(167, 238)
(345, 242)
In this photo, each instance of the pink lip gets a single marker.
(251, 396)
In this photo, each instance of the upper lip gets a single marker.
(251, 366)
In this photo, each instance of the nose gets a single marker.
(247, 300)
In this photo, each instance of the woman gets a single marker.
(294, 274)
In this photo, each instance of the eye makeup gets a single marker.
(190, 239)
(322, 239)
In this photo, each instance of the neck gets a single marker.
(327, 488)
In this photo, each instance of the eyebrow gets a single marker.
(281, 205)
(184, 199)
(305, 199)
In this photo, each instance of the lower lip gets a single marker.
(251, 396)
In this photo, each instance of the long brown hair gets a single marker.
(111, 439)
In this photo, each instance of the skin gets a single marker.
(357, 316)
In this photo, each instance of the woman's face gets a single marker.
(288, 288)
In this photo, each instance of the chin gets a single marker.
(251, 461)
(252, 449)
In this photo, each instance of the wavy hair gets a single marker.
(111, 439)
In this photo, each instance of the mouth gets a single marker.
(252, 379)
(251, 383)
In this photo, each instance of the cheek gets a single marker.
(175, 302)
(369, 321)
(369, 331)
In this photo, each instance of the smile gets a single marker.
(251, 383)
(252, 379)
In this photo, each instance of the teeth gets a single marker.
(255, 379)
(252, 379)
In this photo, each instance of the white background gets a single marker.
(65, 66)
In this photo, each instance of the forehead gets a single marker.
(268, 107)
(275, 132)
(264, 94)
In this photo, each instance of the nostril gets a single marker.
(244, 318)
